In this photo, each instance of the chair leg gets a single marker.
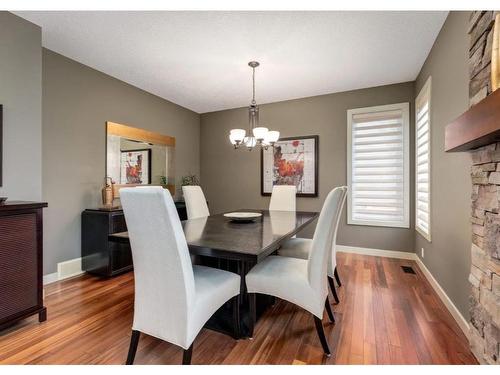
(332, 288)
(236, 317)
(329, 310)
(134, 341)
(321, 334)
(251, 301)
(186, 356)
(336, 274)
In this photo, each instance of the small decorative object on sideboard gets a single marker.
(108, 193)
(3, 200)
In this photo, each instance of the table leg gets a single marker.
(219, 321)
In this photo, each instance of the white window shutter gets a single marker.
(378, 165)
(423, 161)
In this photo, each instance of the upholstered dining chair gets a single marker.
(300, 281)
(301, 248)
(283, 198)
(173, 299)
(196, 204)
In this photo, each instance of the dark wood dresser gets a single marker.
(100, 256)
(21, 261)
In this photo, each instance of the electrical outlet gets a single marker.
(422, 252)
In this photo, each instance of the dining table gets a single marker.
(218, 241)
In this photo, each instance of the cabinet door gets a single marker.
(121, 258)
(120, 254)
(117, 223)
(18, 264)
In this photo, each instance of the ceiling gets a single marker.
(199, 59)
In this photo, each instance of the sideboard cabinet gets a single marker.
(21, 261)
(100, 256)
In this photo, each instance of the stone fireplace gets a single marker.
(477, 131)
(485, 254)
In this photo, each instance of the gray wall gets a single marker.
(77, 101)
(231, 178)
(21, 96)
(448, 255)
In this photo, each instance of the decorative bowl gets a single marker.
(243, 217)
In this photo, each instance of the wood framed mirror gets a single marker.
(137, 157)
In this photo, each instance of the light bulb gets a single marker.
(272, 136)
(260, 133)
(236, 136)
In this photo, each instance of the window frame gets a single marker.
(405, 109)
(424, 94)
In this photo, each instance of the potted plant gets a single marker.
(190, 180)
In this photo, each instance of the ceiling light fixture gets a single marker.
(257, 135)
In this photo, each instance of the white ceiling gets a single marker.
(199, 59)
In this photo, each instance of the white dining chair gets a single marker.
(301, 248)
(173, 299)
(300, 281)
(283, 198)
(196, 204)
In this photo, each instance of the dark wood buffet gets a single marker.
(100, 256)
(21, 261)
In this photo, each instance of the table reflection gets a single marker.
(254, 238)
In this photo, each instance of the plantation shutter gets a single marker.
(379, 174)
(422, 159)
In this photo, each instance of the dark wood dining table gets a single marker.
(217, 241)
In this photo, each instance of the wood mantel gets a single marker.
(479, 126)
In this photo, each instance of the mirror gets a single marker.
(136, 157)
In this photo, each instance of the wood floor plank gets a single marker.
(384, 316)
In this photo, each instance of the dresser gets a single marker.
(21, 261)
(100, 256)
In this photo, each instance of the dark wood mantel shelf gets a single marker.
(479, 126)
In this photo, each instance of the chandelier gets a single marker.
(257, 135)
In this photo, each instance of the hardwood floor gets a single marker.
(385, 316)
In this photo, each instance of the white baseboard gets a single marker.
(65, 270)
(375, 252)
(50, 278)
(69, 268)
(459, 318)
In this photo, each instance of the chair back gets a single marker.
(322, 241)
(196, 204)
(333, 257)
(163, 274)
(283, 198)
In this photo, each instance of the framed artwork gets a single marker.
(135, 167)
(292, 161)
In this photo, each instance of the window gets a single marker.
(423, 161)
(378, 166)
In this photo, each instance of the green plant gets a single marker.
(163, 180)
(190, 179)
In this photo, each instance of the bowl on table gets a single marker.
(243, 217)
